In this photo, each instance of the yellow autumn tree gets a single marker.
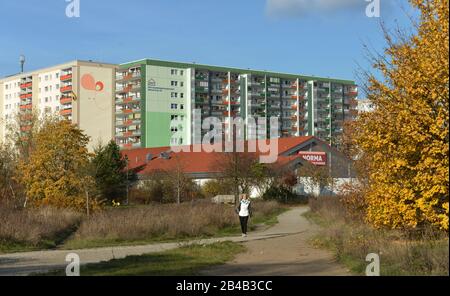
(56, 172)
(405, 141)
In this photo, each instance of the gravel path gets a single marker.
(278, 250)
(284, 252)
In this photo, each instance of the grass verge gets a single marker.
(401, 253)
(184, 261)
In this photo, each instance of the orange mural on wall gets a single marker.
(88, 82)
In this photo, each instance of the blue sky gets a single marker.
(312, 37)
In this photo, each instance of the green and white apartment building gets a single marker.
(151, 95)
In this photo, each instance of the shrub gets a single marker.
(283, 195)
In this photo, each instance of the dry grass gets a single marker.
(424, 252)
(158, 222)
(44, 228)
(38, 228)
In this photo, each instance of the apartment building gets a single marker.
(79, 91)
(153, 95)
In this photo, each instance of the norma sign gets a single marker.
(316, 158)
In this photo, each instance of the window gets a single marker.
(203, 83)
(173, 117)
(181, 72)
(181, 95)
(173, 106)
(181, 106)
(46, 89)
(57, 75)
(46, 99)
(181, 84)
(57, 86)
(173, 72)
(181, 141)
(174, 83)
(46, 77)
(174, 95)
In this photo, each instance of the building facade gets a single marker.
(82, 92)
(152, 96)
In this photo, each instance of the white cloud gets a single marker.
(295, 8)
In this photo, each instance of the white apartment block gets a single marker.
(82, 92)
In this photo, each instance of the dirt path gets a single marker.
(286, 254)
(278, 250)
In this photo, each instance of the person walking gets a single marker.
(244, 210)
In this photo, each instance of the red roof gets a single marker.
(196, 162)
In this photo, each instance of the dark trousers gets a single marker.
(244, 221)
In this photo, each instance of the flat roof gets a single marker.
(155, 62)
(73, 62)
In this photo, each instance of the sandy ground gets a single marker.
(278, 250)
(286, 254)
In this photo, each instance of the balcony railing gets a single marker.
(67, 88)
(66, 77)
(26, 85)
(26, 96)
(65, 112)
(65, 100)
(26, 107)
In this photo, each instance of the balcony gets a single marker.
(28, 106)
(230, 113)
(66, 89)
(65, 112)
(26, 85)
(26, 96)
(129, 76)
(294, 107)
(65, 100)
(25, 128)
(227, 81)
(127, 111)
(131, 100)
(231, 102)
(65, 77)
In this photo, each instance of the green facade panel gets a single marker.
(157, 125)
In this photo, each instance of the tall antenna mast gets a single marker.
(22, 62)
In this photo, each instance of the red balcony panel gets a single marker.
(26, 107)
(66, 88)
(65, 100)
(66, 77)
(26, 85)
(127, 111)
(26, 117)
(25, 128)
(26, 96)
(294, 107)
(65, 112)
(127, 134)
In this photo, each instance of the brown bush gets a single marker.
(35, 227)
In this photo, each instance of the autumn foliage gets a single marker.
(55, 173)
(405, 141)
